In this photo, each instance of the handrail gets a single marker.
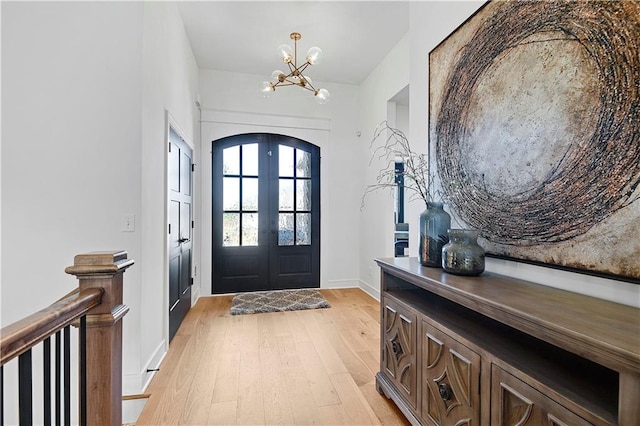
(97, 307)
(22, 335)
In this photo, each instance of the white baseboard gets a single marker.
(154, 363)
(136, 383)
(131, 383)
(346, 283)
(195, 294)
(370, 290)
(131, 409)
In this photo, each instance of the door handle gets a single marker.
(183, 240)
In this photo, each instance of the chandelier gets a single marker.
(295, 76)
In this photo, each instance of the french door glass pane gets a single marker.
(240, 165)
(294, 195)
(303, 229)
(231, 160)
(249, 229)
(250, 159)
(231, 193)
(285, 229)
(303, 194)
(249, 193)
(285, 196)
(230, 229)
(303, 163)
(285, 155)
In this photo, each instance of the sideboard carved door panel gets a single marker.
(513, 402)
(450, 380)
(399, 348)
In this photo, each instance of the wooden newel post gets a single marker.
(104, 333)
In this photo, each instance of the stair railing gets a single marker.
(96, 308)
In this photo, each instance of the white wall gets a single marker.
(85, 89)
(71, 148)
(70, 138)
(430, 23)
(376, 217)
(169, 89)
(233, 104)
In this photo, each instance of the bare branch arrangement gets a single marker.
(396, 147)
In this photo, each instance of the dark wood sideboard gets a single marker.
(494, 350)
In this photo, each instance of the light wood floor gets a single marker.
(289, 368)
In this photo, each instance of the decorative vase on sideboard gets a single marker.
(434, 224)
(463, 255)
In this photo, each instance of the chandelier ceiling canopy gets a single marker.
(295, 76)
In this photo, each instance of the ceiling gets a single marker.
(243, 36)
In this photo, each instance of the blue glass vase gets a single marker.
(434, 225)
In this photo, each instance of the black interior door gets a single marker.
(265, 213)
(180, 229)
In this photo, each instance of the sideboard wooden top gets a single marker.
(603, 331)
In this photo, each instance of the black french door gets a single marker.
(265, 213)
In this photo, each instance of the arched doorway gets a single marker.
(265, 213)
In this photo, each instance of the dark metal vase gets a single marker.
(434, 223)
(462, 255)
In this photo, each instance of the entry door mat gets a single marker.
(259, 302)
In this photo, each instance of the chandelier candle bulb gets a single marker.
(285, 53)
(313, 55)
(323, 96)
(267, 88)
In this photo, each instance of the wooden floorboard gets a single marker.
(285, 368)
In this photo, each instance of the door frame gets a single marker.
(171, 123)
(216, 124)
